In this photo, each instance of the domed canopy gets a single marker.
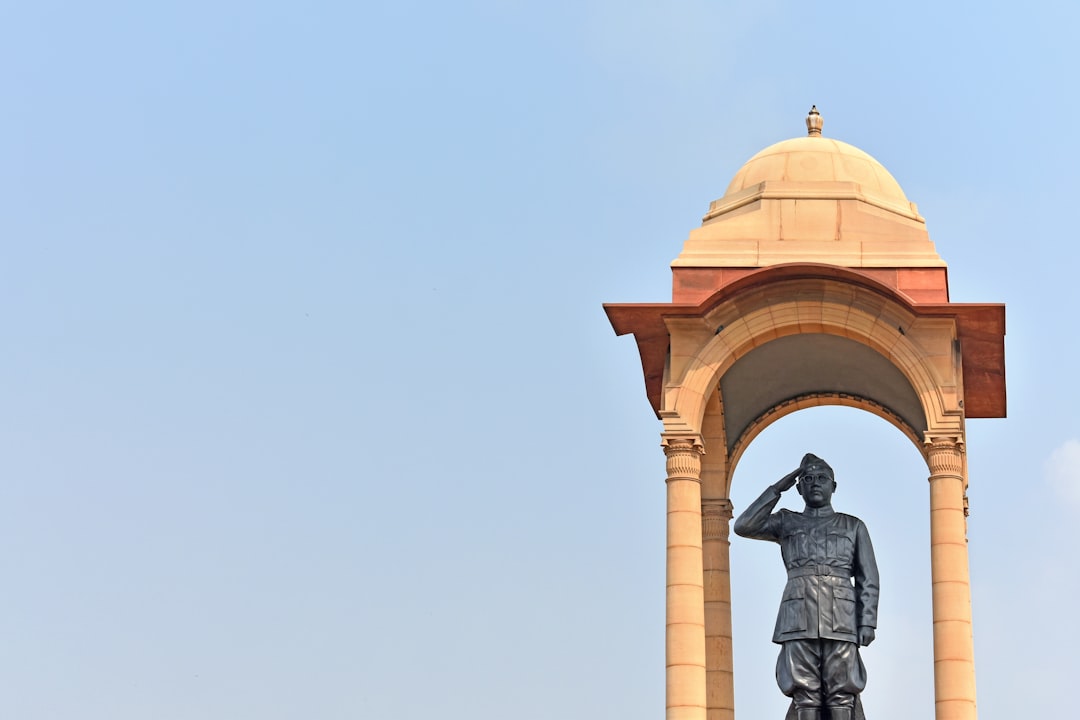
(811, 199)
(818, 159)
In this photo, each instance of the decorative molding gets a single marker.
(833, 190)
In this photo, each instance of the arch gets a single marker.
(922, 350)
(804, 402)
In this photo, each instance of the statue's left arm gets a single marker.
(866, 585)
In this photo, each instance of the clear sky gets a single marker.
(308, 405)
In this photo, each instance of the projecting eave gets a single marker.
(980, 329)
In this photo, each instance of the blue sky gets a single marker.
(309, 405)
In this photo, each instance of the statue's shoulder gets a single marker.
(785, 517)
(849, 519)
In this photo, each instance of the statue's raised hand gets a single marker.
(788, 481)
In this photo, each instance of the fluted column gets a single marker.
(719, 663)
(685, 591)
(954, 655)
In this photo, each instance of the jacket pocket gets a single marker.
(844, 609)
(792, 616)
(796, 547)
(840, 547)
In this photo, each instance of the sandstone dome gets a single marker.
(811, 199)
(818, 159)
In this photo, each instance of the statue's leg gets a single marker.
(794, 713)
(799, 676)
(844, 677)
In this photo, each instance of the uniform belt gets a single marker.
(827, 570)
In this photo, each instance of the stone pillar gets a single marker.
(719, 663)
(685, 591)
(954, 654)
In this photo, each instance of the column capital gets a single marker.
(944, 454)
(683, 456)
(716, 513)
(682, 442)
(943, 442)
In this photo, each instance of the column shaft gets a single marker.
(685, 589)
(719, 663)
(954, 655)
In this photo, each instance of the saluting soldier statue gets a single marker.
(823, 617)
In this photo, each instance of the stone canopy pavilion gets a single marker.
(812, 281)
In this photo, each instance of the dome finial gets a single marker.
(814, 122)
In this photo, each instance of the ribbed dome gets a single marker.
(818, 159)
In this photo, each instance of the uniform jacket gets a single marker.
(822, 550)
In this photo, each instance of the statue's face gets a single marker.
(816, 486)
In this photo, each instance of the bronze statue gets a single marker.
(823, 619)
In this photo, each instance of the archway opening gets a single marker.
(881, 478)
